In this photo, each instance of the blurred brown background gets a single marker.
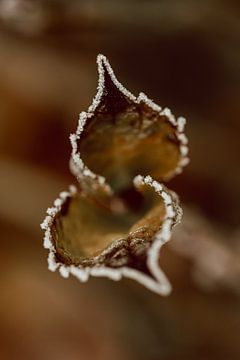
(184, 54)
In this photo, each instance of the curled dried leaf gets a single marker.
(122, 136)
(115, 223)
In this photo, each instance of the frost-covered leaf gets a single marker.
(115, 223)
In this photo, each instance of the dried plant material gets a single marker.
(115, 223)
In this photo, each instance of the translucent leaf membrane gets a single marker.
(135, 140)
(86, 233)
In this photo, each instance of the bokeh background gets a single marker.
(184, 54)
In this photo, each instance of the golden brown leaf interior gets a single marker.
(84, 229)
(136, 141)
